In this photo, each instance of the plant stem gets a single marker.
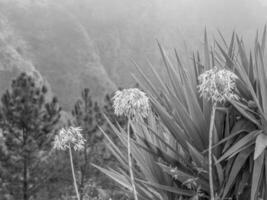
(73, 175)
(130, 161)
(212, 118)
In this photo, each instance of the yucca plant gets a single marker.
(247, 151)
(170, 146)
(167, 148)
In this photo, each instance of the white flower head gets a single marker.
(217, 85)
(131, 103)
(69, 138)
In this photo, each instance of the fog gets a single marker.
(173, 22)
(132, 27)
(116, 32)
(166, 18)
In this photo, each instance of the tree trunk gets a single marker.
(25, 181)
(83, 173)
(25, 168)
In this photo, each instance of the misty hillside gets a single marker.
(58, 47)
(77, 44)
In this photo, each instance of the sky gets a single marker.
(263, 2)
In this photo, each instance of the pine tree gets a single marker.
(87, 114)
(28, 121)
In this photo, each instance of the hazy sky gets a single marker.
(263, 2)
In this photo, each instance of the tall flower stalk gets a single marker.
(212, 119)
(68, 139)
(216, 86)
(73, 174)
(134, 104)
(130, 160)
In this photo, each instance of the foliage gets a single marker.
(170, 148)
(28, 122)
(247, 151)
(88, 114)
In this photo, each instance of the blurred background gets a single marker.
(91, 43)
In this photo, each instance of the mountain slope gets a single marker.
(59, 48)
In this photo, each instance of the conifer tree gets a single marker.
(87, 115)
(28, 121)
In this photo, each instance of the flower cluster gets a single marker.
(69, 138)
(217, 85)
(131, 103)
